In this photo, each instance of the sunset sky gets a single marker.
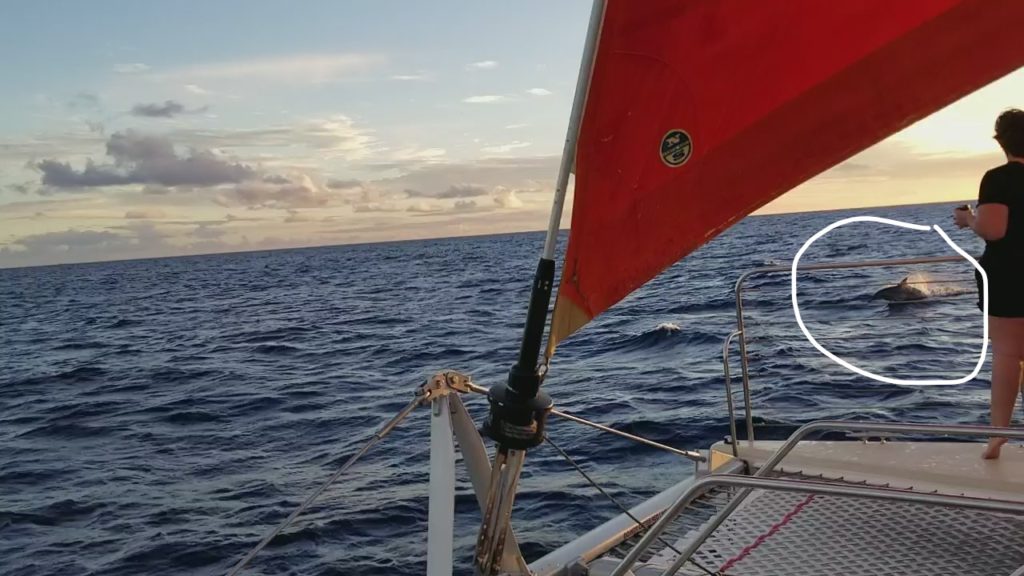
(137, 129)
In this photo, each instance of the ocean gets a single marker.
(160, 416)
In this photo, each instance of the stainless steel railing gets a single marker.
(759, 481)
(733, 438)
(740, 334)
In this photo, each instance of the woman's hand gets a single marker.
(962, 216)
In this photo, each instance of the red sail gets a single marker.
(701, 111)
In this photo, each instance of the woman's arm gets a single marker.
(993, 215)
(990, 221)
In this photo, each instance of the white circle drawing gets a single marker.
(861, 371)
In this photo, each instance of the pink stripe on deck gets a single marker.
(771, 531)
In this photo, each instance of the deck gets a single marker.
(790, 534)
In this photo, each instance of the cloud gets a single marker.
(297, 216)
(195, 89)
(512, 172)
(138, 239)
(336, 136)
(366, 207)
(169, 109)
(515, 126)
(506, 198)
(503, 148)
(84, 101)
(62, 175)
(22, 188)
(276, 179)
(283, 70)
(258, 195)
(25, 150)
(897, 160)
(408, 157)
(539, 92)
(490, 195)
(463, 191)
(144, 239)
(409, 77)
(145, 159)
(68, 240)
(336, 139)
(464, 194)
(209, 231)
(144, 214)
(155, 190)
(424, 208)
(485, 99)
(334, 184)
(453, 191)
(482, 65)
(130, 68)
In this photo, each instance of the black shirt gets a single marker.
(1003, 259)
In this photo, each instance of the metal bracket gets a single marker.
(444, 383)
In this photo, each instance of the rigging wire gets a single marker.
(762, 291)
(791, 338)
(377, 437)
(844, 321)
(621, 507)
(691, 454)
(839, 283)
(852, 304)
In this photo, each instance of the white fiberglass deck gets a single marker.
(784, 534)
(945, 467)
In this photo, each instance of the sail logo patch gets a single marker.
(676, 148)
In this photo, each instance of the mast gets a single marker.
(519, 409)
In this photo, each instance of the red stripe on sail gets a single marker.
(769, 94)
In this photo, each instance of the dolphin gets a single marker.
(902, 292)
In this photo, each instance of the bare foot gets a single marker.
(993, 448)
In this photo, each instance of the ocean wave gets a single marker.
(186, 417)
(66, 430)
(276, 349)
(76, 345)
(274, 335)
(124, 323)
(171, 422)
(664, 336)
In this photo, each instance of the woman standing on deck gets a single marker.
(1000, 222)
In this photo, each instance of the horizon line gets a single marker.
(404, 240)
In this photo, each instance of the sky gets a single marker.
(143, 129)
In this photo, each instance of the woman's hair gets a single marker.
(1010, 132)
